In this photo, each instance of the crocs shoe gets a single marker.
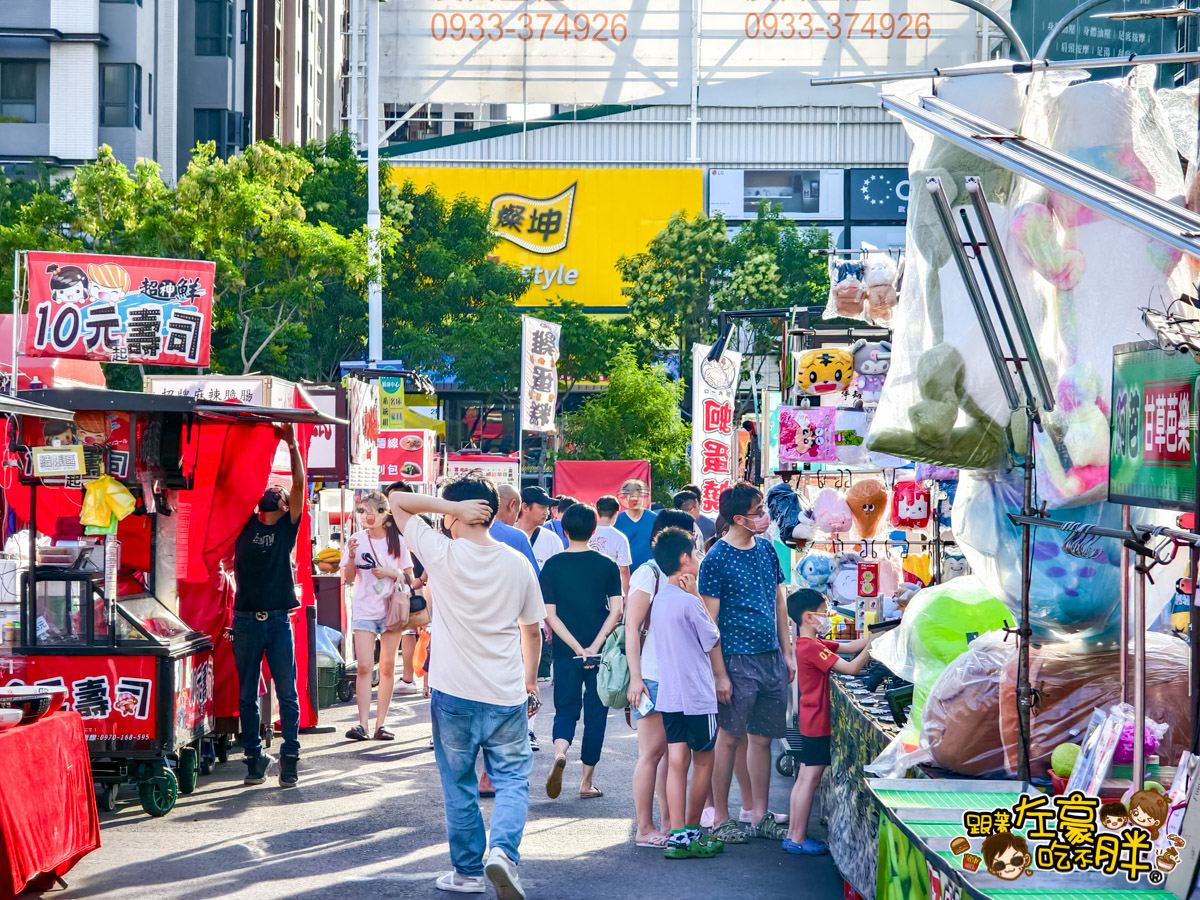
(770, 830)
(807, 847)
(730, 832)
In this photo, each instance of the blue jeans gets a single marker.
(251, 640)
(575, 693)
(461, 728)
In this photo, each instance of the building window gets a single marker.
(18, 91)
(121, 95)
(463, 121)
(214, 28)
(220, 126)
(139, 2)
(425, 122)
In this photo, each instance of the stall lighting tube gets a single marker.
(1170, 224)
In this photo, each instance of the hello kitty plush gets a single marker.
(871, 363)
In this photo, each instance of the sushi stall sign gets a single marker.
(126, 309)
(1152, 452)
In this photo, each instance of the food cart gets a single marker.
(106, 616)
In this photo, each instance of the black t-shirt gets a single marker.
(264, 567)
(579, 585)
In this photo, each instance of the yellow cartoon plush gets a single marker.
(824, 370)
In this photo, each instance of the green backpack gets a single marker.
(612, 680)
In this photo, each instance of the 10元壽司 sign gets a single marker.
(127, 309)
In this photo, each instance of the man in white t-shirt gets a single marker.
(535, 506)
(483, 667)
(609, 541)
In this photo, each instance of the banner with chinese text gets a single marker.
(1152, 451)
(539, 374)
(497, 469)
(363, 402)
(127, 309)
(714, 386)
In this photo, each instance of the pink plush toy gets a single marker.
(831, 512)
(1124, 752)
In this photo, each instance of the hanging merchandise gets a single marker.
(871, 362)
(868, 579)
(1075, 586)
(105, 502)
(882, 273)
(843, 586)
(954, 565)
(928, 472)
(1093, 292)
(847, 291)
(943, 402)
(831, 512)
(919, 568)
(814, 570)
(807, 435)
(824, 370)
(790, 514)
(868, 502)
(910, 505)
(851, 429)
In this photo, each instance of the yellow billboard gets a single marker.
(566, 228)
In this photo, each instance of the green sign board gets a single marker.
(1152, 453)
(1089, 37)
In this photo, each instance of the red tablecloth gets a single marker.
(48, 818)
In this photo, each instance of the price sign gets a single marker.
(58, 462)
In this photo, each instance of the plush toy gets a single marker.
(910, 505)
(868, 502)
(847, 291)
(814, 570)
(954, 565)
(935, 433)
(824, 370)
(879, 283)
(871, 362)
(831, 512)
(789, 513)
(843, 584)
(1096, 273)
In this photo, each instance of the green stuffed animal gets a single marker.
(934, 435)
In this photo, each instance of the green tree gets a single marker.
(636, 417)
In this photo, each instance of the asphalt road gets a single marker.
(366, 820)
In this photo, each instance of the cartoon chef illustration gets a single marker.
(109, 282)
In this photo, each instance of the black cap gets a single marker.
(537, 495)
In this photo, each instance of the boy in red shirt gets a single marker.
(814, 660)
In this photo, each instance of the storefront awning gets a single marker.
(15, 406)
(81, 399)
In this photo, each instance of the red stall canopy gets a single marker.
(587, 480)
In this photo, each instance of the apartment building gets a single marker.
(151, 78)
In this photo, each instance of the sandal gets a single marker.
(554, 779)
(594, 794)
(769, 829)
(383, 734)
(655, 841)
(693, 850)
(357, 733)
(730, 832)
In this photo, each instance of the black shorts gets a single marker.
(698, 732)
(814, 751)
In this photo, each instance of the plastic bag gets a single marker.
(1071, 680)
(847, 290)
(104, 500)
(1070, 597)
(934, 632)
(328, 654)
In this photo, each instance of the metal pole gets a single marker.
(520, 415)
(374, 286)
(16, 319)
(694, 111)
(1010, 66)
(1125, 571)
(1002, 23)
(352, 123)
(1024, 633)
(1139, 678)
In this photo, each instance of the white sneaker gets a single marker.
(461, 884)
(502, 872)
(406, 688)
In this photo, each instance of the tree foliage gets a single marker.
(636, 417)
(693, 270)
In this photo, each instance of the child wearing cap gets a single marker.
(815, 658)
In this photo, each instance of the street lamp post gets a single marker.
(374, 286)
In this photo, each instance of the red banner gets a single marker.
(128, 309)
(407, 455)
(589, 479)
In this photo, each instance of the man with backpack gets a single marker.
(582, 592)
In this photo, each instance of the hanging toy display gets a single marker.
(954, 565)
(824, 370)
(831, 512)
(847, 291)
(910, 505)
(814, 570)
(868, 501)
(880, 278)
(871, 362)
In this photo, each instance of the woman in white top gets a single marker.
(651, 768)
(375, 561)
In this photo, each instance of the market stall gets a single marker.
(133, 619)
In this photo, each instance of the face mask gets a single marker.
(757, 525)
(269, 502)
(824, 625)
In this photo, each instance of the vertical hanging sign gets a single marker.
(714, 443)
(539, 374)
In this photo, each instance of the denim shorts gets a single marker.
(376, 626)
(652, 690)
